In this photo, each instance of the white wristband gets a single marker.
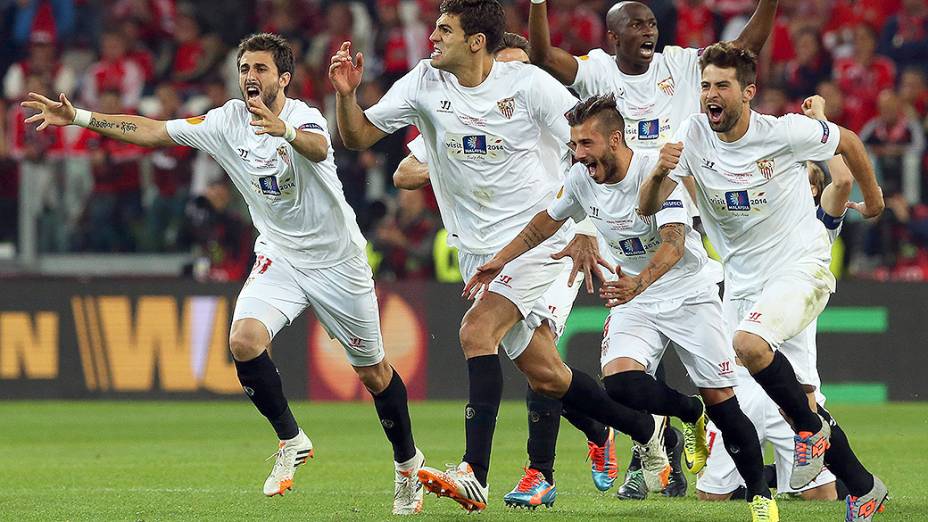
(81, 118)
(538, 1)
(289, 133)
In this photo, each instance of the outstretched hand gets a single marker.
(266, 121)
(621, 290)
(344, 74)
(481, 280)
(584, 251)
(868, 210)
(58, 113)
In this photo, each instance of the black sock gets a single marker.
(770, 475)
(842, 461)
(596, 432)
(261, 382)
(393, 410)
(635, 463)
(742, 445)
(779, 381)
(585, 396)
(544, 419)
(638, 390)
(485, 391)
(670, 439)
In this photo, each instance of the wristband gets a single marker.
(538, 1)
(289, 133)
(81, 118)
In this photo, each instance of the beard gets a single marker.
(730, 117)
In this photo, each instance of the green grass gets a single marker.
(205, 461)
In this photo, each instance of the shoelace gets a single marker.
(762, 509)
(851, 508)
(597, 455)
(530, 479)
(803, 450)
(636, 479)
(689, 440)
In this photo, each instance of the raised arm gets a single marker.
(855, 155)
(411, 174)
(356, 131)
(558, 62)
(625, 288)
(129, 128)
(755, 33)
(836, 195)
(539, 229)
(657, 186)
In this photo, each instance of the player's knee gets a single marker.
(713, 396)
(629, 388)
(246, 344)
(475, 339)
(375, 378)
(750, 348)
(550, 381)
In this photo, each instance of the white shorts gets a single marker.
(694, 324)
(342, 297)
(720, 475)
(535, 284)
(781, 313)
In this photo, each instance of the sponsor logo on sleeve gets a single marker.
(632, 246)
(560, 193)
(584, 58)
(196, 120)
(825, 131)
(310, 127)
(672, 203)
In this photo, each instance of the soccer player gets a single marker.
(665, 290)
(537, 486)
(484, 124)
(310, 251)
(720, 477)
(754, 199)
(655, 92)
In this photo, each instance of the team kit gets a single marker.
(552, 172)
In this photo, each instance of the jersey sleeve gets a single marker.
(673, 209)
(565, 204)
(397, 108)
(811, 139)
(683, 167)
(417, 149)
(683, 62)
(590, 71)
(200, 132)
(549, 102)
(309, 119)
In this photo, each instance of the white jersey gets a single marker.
(654, 103)
(754, 194)
(485, 145)
(297, 205)
(634, 239)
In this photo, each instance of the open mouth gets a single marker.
(647, 49)
(252, 91)
(436, 52)
(715, 112)
(591, 169)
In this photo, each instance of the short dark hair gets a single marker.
(513, 41)
(817, 177)
(602, 107)
(724, 55)
(273, 43)
(479, 16)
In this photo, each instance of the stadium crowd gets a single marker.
(167, 59)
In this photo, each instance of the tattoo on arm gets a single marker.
(673, 234)
(124, 126)
(531, 236)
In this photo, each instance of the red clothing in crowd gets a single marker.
(695, 25)
(862, 83)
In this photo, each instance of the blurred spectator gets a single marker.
(864, 75)
(41, 61)
(137, 50)
(55, 17)
(192, 55)
(896, 141)
(773, 100)
(396, 50)
(220, 240)
(905, 36)
(695, 24)
(899, 241)
(405, 238)
(114, 210)
(343, 23)
(811, 66)
(155, 18)
(913, 89)
(575, 27)
(845, 111)
(9, 183)
(171, 170)
(115, 71)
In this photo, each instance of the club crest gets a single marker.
(506, 107)
(765, 167)
(666, 86)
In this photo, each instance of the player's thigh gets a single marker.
(630, 332)
(542, 365)
(703, 344)
(344, 301)
(720, 476)
(790, 300)
(272, 295)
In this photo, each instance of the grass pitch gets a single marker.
(142, 461)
